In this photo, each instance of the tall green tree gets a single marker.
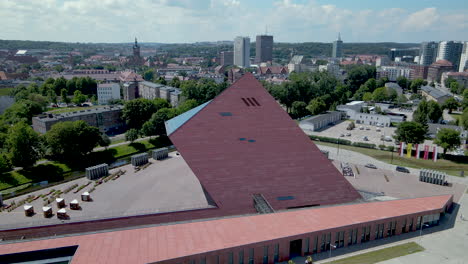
(464, 119)
(410, 132)
(403, 82)
(448, 139)
(70, 142)
(317, 106)
(451, 104)
(136, 112)
(132, 134)
(421, 113)
(416, 84)
(155, 126)
(23, 145)
(434, 113)
(380, 94)
(64, 95)
(78, 97)
(149, 75)
(299, 109)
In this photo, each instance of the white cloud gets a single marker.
(420, 20)
(190, 21)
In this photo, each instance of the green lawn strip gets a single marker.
(117, 141)
(450, 167)
(132, 148)
(51, 171)
(381, 254)
(71, 109)
(5, 91)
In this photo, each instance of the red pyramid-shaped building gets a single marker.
(243, 143)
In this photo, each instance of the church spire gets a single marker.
(339, 36)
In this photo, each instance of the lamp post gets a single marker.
(329, 254)
(420, 230)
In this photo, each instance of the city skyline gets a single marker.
(184, 21)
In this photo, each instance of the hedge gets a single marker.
(331, 140)
(364, 145)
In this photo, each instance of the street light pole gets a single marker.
(329, 254)
(420, 230)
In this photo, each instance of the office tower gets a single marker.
(337, 48)
(263, 48)
(242, 52)
(451, 51)
(226, 58)
(427, 53)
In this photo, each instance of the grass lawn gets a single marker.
(116, 141)
(455, 116)
(448, 166)
(50, 171)
(5, 91)
(381, 254)
(130, 149)
(71, 109)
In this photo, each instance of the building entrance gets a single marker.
(295, 248)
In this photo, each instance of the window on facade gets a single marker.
(276, 256)
(315, 244)
(307, 245)
(411, 225)
(203, 260)
(241, 257)
(265, 255)
(403, 226)
(251, 256)
(418, 223)
(231, 258)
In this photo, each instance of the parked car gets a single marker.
(365, 138)
(367, 128)
(348, 134)
(402, 169)
(361, 128)
(341, 135)
(370, 166)
(378, 130)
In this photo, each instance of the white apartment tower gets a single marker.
(464, 58)
(242, 52)
(451, 51)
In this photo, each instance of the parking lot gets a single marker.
(373, 133)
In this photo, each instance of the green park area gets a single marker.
(448, 166)
(17, 180)
(381, 254)
(5, 91)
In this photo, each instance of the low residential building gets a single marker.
(107, 92)
(393, 72)
(273, 71)
(320, 121)
(371, 119)
(433, 129)
(107, 119)
(151, 90)
(460, 77)
(434, 94)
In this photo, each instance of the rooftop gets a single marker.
(148, 191)
(152, 244)
(434, 92)
(245, 140)
(52, 116)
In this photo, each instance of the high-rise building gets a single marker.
(226, 58)
(263, 48)
(427, 53)
(464, 58)
(337, 48)
(242, 52)
(451, 51)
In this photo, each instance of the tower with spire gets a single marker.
(337, 51)
(136, 51)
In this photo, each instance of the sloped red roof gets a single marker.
(153, 244)
(273, 70)
(244, 143)
(442, 63)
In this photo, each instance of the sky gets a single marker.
(187, 21)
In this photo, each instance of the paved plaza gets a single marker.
(164, 186)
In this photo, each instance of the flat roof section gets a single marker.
(147, 245)
(165, 186)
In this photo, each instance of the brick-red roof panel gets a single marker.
(282, 160)
(152, 244)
